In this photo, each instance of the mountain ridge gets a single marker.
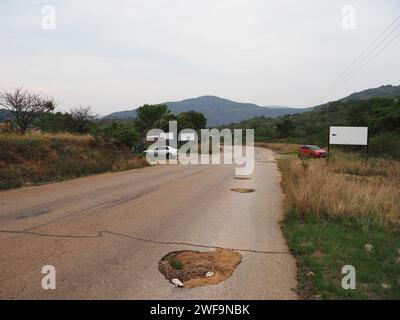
(218, 111)
(382, 91)
(222, 111)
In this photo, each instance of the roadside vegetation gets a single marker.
(381, 115)
(37, 158)
(39, 144)
(342, 212)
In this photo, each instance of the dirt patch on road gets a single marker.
(243, 190)
(241, 178)
(199, 269)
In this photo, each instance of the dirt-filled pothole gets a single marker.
(199, 269)
(243, 190)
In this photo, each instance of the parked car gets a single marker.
(166, 152)
(312, 151)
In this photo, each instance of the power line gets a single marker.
(364, 64)
(347, 73)
(362, 54)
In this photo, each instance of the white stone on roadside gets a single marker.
(177, 282)
(209, 274)
(369, 247)
(310, 273)
(386, 286)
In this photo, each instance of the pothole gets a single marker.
(243, 190)
(241, 178)
(199, 269)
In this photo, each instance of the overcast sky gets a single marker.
(118, 55)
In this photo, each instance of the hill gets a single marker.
(218, 111)
(383, 91)
(4, 115)
(381, 115)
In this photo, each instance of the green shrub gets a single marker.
(386, 144)
(119, 133)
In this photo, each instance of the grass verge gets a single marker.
(334, 210)
(324, 245)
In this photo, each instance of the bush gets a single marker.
(386, 144)
(119, 133)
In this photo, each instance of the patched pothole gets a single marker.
(243, 190)
(199, 269)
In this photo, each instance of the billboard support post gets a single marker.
(367, 147)
(329, 146)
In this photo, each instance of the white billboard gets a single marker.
(357, 136)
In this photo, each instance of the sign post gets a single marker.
(353, 136)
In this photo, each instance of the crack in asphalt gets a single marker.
(116, 202)
(103, 232)
(97, 192)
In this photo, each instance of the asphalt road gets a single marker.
(105, 234)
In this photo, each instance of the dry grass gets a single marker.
(283, 148)
(344, 187)
(38, 136)
(37, 158)
(374, 167)
(4, 126)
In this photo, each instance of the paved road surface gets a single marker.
(105, 234)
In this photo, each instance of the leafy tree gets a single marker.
(120, 133)
(54, 122)
(191, 120)
(78, 120)
(151, 116)
(25, 106)
(284, 127)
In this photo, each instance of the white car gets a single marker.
(166, 152)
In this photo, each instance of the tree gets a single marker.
(191, 120)
(284, 127)
(117, 132)
(54, 122)
(150, 116)
(82, 118)
(25, 106)
(78, 120)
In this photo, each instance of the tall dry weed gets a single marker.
(344, 188)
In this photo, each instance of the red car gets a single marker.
(312, 151)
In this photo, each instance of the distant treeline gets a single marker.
(381, 115)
